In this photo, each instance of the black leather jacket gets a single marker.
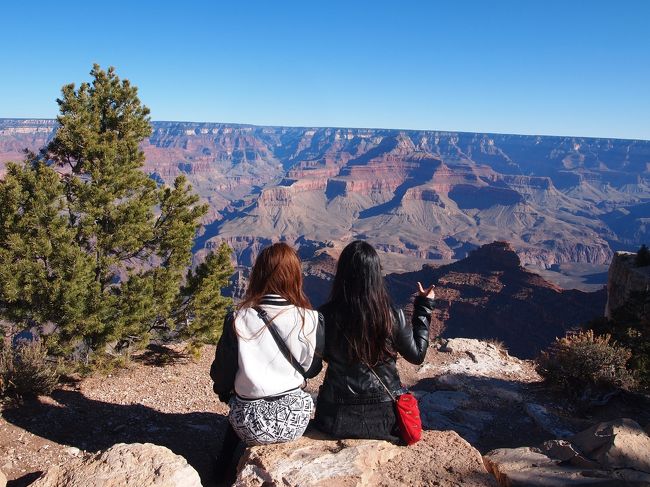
(352, 382)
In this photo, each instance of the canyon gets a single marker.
(417, 196)
(488, 295)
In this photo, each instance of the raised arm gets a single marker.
(224, 366)
(412, 341)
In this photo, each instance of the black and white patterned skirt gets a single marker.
(273, 420)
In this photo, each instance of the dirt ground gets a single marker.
(168, 402)
(167, 399)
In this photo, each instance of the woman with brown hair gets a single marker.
(270, 345)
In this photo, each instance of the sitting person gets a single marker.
(269, 345)
(363, 334)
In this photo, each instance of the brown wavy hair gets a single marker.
(277, 270)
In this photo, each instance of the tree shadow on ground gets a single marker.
(94, 425)
(160, 356)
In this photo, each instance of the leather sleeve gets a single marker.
(317, 362)
(412, 341)
(226, 361)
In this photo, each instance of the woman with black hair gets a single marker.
(363, 335)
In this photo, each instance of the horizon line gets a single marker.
(362, 128)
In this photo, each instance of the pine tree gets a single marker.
(44, 276)
(205, 306)
(88, 241)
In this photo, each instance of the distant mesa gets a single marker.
(467, 196)
(489, 295)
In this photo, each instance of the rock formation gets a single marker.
(425, 194)
(615, 454)
(469, 386)
(441, 458)
(489, 295)
(624, 279)
(124, 465)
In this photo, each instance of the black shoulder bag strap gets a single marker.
(278, 340)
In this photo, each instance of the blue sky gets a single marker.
(572, 67)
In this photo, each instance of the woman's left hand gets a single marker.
(426, 293)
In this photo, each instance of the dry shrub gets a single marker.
(25, 370)
(585, 365)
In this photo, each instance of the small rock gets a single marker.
(446, 347)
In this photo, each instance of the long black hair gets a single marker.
(361, 304)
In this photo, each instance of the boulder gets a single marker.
(616, 454)
(621, 443)
(483, 368)
(441, 458)
(124, 465)
(528, 467)
(443, 401)
(624, 279)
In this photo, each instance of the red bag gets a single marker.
(408, 418)
(407, 413)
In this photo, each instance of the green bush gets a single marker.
(584, 365)
(25, 370)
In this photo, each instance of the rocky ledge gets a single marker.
(615, 453)
(625, 279)
(441, 458)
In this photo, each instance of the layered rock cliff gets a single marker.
(624, 279)
(426, 194)
(489, 295)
